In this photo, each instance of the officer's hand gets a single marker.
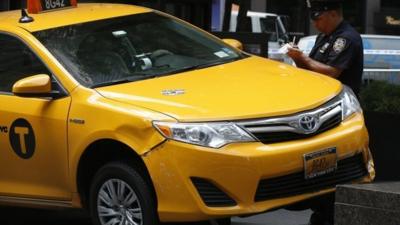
(294, 52)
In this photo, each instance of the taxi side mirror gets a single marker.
(234, 43)
(33, 86)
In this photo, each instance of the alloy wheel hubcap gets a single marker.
(117, 204)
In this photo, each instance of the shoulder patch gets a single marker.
(339, 45)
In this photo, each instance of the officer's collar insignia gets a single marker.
(339, 45)
(324, 47)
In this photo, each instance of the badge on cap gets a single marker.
(339, 45)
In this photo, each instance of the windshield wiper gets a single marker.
(196, 67)
(181, 70)
(121, 81)
(201, 66)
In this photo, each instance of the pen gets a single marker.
(294, 42)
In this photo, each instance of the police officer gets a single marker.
(338, 50)
(338, 53)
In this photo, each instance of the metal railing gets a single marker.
(391, 76)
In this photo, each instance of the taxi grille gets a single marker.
(348, 169)
(211, 195)
(275, 137)
(289, 128)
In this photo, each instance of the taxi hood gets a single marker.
(249, 88)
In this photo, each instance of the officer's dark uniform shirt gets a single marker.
(342, 49)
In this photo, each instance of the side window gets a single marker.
(268, 25)
(17, 61)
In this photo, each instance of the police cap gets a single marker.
(317, 7)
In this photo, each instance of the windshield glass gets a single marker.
(132, 48)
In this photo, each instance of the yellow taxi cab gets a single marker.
(140, 118)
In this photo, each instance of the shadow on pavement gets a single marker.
(25, 216)
(28, 216)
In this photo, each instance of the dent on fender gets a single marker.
(154, 148)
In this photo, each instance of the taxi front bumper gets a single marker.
(196, 183)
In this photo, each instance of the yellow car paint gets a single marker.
(255, 83)
(83, 13)
(33, 84)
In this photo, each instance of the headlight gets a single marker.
(349, 102)
(214, 135)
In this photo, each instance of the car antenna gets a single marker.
(25, 18)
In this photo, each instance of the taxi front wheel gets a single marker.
(120, 195)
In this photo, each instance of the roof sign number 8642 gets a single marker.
(54, 4)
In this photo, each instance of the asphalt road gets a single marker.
(279, 217)
(23, 216)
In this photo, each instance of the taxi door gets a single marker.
(33, 131)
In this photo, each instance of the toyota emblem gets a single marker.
(309, 123)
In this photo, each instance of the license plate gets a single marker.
(320, 163)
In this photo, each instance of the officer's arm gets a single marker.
(305, 62)
(316, 66)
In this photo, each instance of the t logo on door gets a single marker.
(22, 138)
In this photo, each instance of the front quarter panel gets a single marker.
(93, 117)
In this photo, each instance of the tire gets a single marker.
(121, 194)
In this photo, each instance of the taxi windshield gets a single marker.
(132, 48)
